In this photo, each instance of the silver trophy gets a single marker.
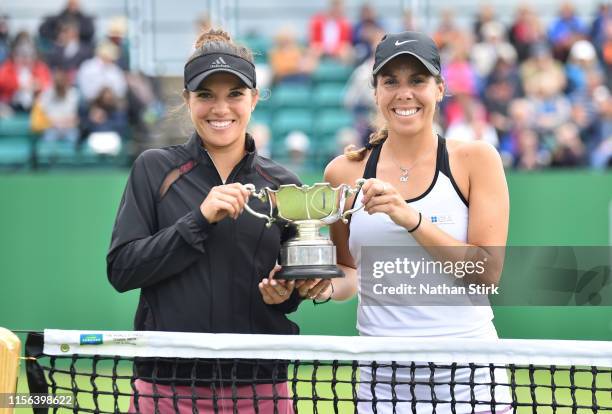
(309, 254)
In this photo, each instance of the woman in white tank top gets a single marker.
(412, 199)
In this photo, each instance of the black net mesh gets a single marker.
(104, 384)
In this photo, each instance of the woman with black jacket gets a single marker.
(200, 264)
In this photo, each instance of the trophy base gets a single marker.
(309, 272)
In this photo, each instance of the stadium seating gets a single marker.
(16, 142)
(291, 96)
(327, 95)
(287, 120)
(330, 70)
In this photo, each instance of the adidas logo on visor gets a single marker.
(219, 63)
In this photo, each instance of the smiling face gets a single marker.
(221, 109)
(406, 95)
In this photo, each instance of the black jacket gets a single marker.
(195, 276)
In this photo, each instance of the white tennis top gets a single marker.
(443, 204)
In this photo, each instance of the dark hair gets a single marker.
(217, 40)
(381, 131)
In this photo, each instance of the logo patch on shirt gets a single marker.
(442, 219)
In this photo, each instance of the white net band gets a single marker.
(312, 347)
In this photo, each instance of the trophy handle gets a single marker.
(350, 191)
(262, 196)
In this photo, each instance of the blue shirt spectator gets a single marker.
(565, 30)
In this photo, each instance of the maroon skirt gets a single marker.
(245, 403)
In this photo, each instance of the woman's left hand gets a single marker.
(382, 197)
(275, 291)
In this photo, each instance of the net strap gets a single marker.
(37, 382)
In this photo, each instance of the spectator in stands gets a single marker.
(541, 65)
(502, 86)
(582, 60)
(144, 107)
(289, 62)
(459, 73)
(521, 118)
(485, 54)
(331, 33)
(472, 127)
(447, 31)
(461, 81)
(604, 12)
(5, 41)
(72, 13)
(116, 34)
(486, 14)
(589, 110)
(297, 145)
(359, 99)
(568, 150)
(408, 23)
(69, 52)
(551, 108)
(59, 104)
(602, 156)
(23, 75)
(368, 21)
(529, 153)
(101, 71)
(565, 30)
(525, 31)
(606, 51)
(106, 114)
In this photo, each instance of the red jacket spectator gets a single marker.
(9, 79)
(331, 33)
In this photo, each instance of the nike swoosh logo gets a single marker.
(398, 43)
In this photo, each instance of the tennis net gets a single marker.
(162, 372)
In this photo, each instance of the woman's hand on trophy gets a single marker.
(224, 200)
(382, 197)
(275, 291)
(314, 288)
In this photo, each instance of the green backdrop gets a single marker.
(55, 230)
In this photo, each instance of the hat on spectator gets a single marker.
(415, 44)
(583, 50)
(117, 26)
(297, 141)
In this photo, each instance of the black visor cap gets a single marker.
(201, 67)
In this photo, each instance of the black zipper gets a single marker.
(235, 171)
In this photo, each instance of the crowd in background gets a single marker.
(73, 84)
(539, 93)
